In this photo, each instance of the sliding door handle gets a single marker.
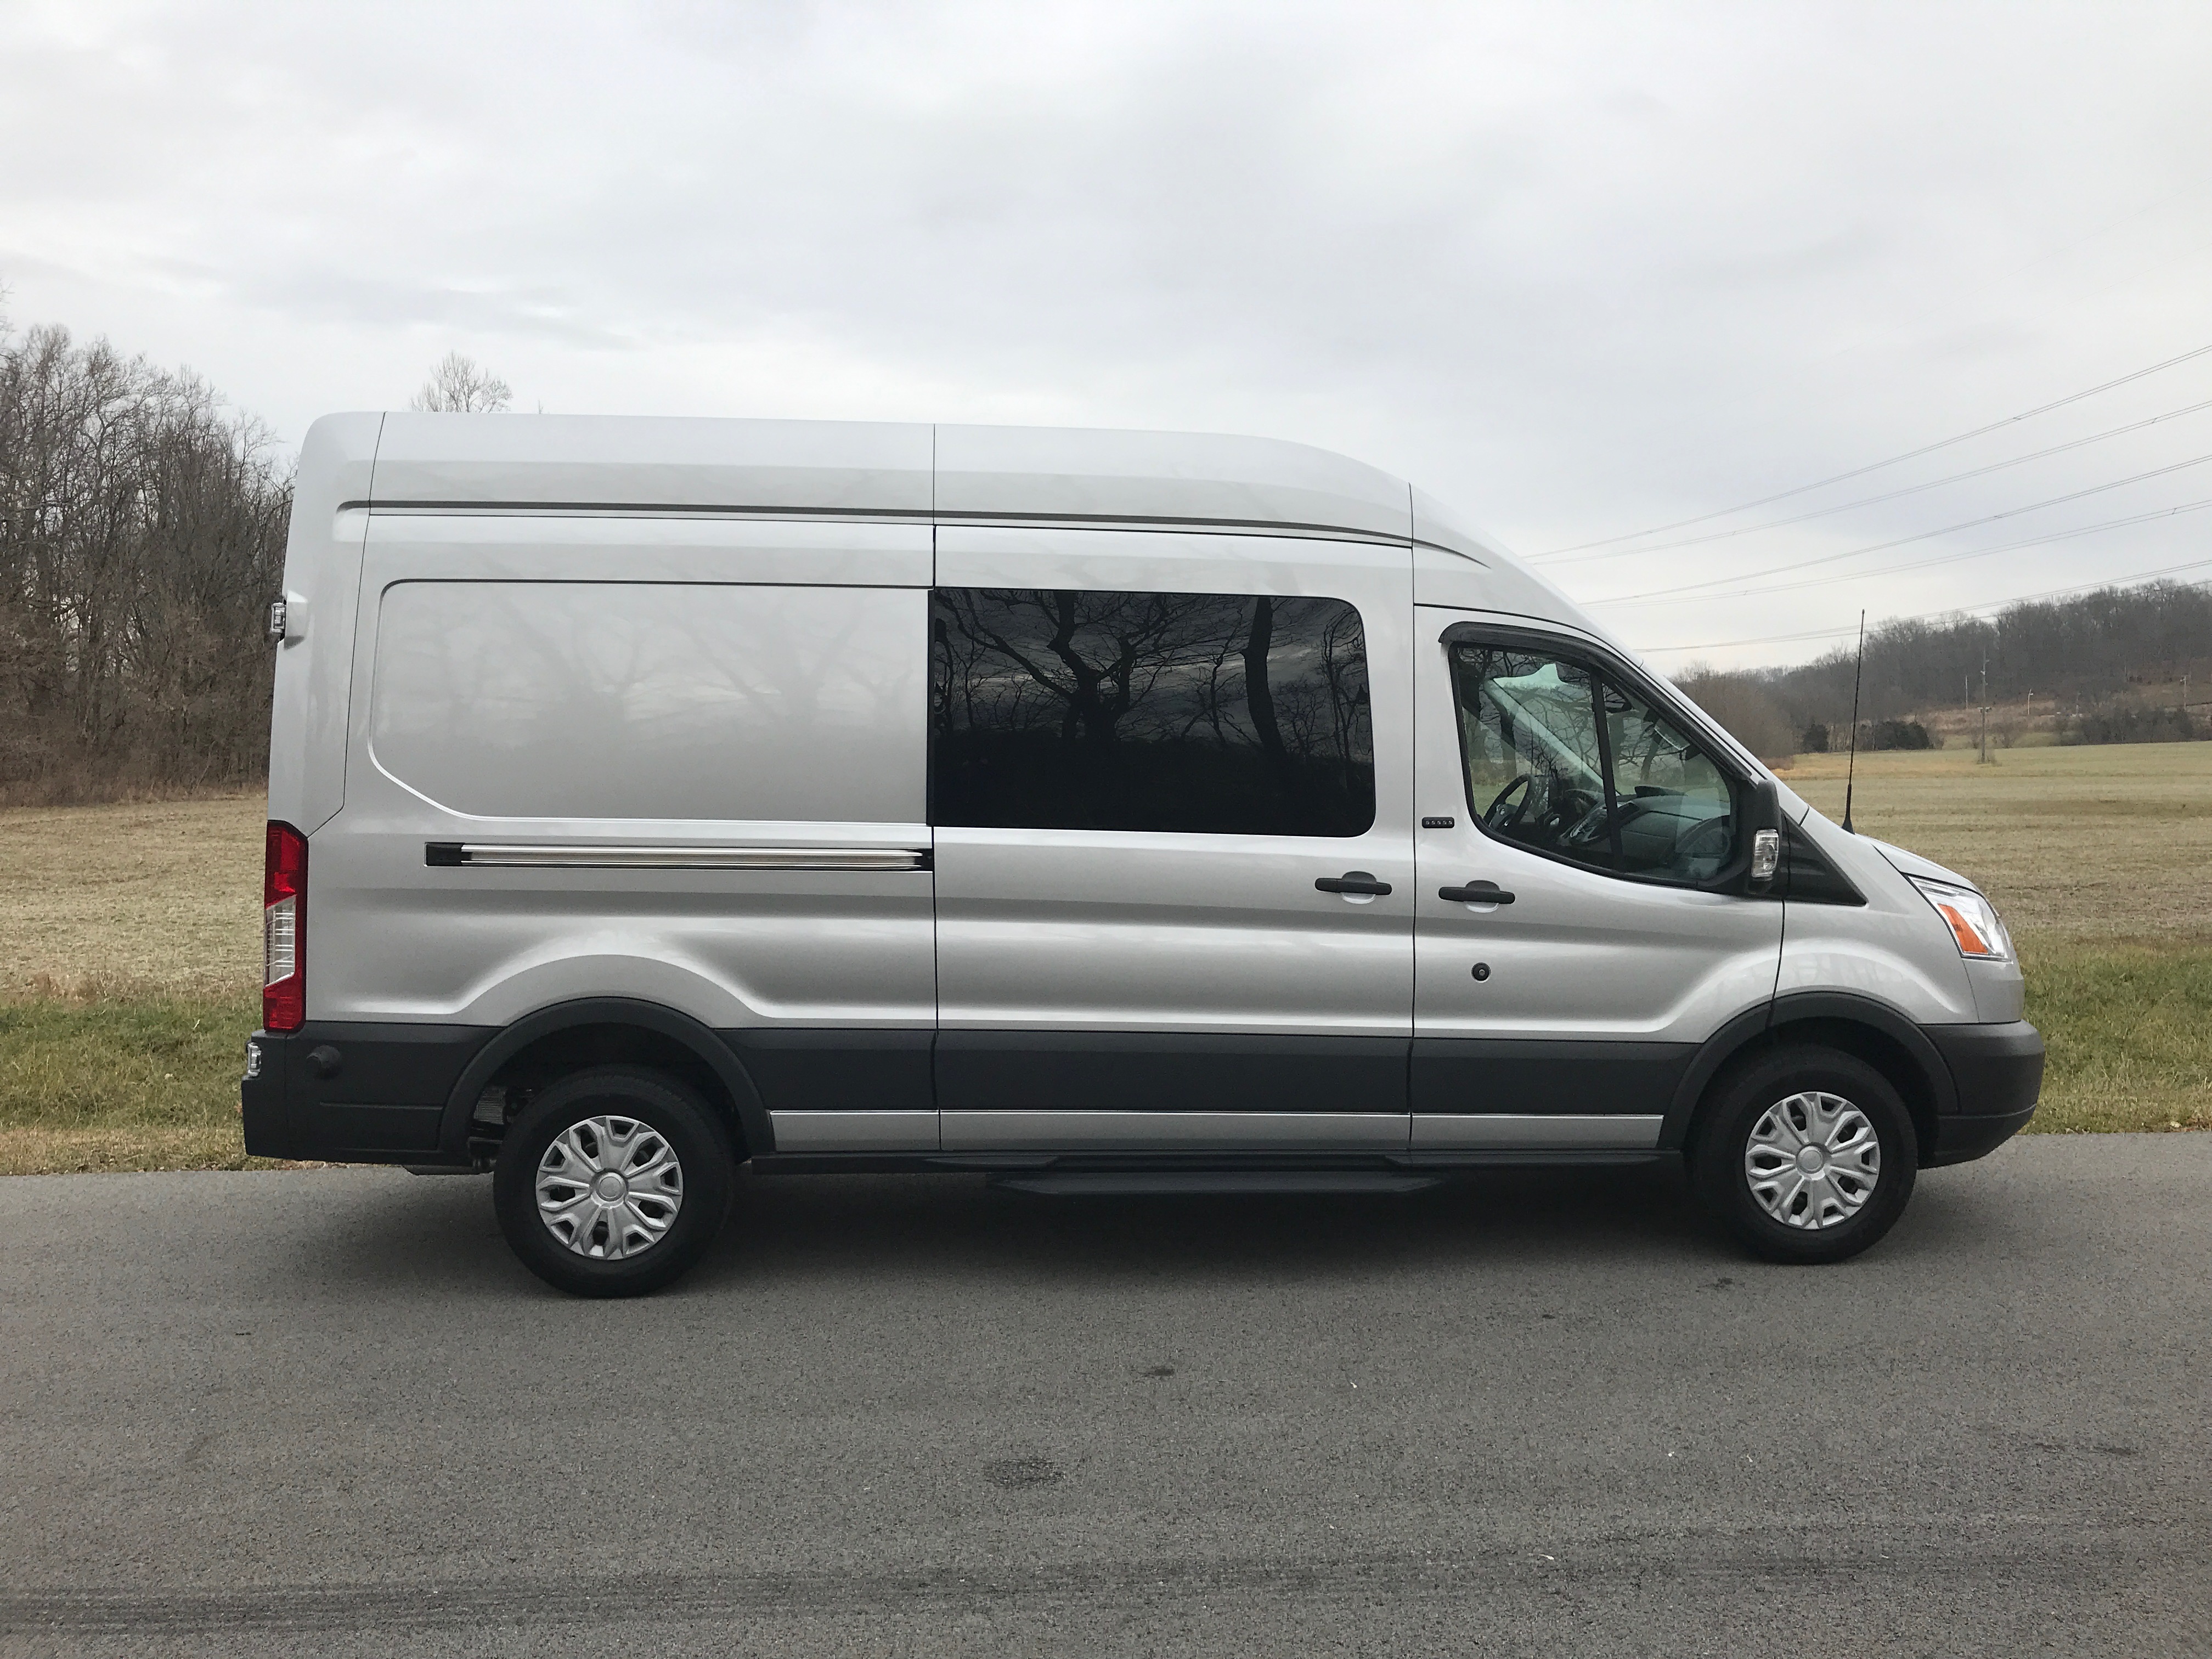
(1353, 881)
(1475, 892)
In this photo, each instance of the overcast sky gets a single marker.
(1579, 270)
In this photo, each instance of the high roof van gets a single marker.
(1104, 810)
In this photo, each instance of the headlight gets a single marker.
(1971, 919)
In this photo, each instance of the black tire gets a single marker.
(1774, 1081)
(635, 1263)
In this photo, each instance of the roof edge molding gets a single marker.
(999, 472)
(1180, 477)
(652, 461)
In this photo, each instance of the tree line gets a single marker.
(142, 536)
(2103, 667)
(141, 539)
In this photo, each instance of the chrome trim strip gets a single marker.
(1534, 1132)
(547, 856)
(1292, 529)
(854, 1132)
(1182, 1132)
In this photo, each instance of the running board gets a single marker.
(1116, 1183)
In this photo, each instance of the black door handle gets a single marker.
(1353, 881)
(1475, 892)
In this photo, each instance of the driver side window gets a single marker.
(1565, 760)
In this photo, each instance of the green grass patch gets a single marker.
(153, 1084)
(2130, 1029)
(123, 1084)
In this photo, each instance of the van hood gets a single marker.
(1911, 864)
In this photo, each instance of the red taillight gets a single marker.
(284, 930)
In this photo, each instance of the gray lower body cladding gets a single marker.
(1998, 1074)
(378, 1092)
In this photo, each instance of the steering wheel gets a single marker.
(1575, 807)
(1495, 816)
(1708, 839)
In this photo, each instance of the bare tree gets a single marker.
(461, 385)
(1746, 705)
(141, 536)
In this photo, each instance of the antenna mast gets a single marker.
(1851, 765)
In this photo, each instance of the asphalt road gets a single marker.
(1542, 1413)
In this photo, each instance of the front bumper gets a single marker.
(359, 1093)
(1997, 1075)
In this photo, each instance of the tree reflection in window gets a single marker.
(1217, 714)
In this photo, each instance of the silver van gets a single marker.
(1105, 810)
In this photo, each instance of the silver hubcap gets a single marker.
(1813, 1161)
(609, 1187)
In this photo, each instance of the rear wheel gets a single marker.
(613, 1182)
(1806, 1155)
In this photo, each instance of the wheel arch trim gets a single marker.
(752, 1124)
(1759, 1026)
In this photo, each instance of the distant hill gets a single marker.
(2108, 666)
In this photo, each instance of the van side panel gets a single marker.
(689, 780)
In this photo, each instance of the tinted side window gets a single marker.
(1220, 713)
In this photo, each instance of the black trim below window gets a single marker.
(1808, 876)
(837, 1071)
(1547, 1077)
(1167, 1072)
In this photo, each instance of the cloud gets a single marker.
(1578, 268)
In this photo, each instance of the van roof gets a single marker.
(884, 469)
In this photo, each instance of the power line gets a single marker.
(1911, 565)
(2125, 582)
(1904, 541)
(1763, 638)
(1872, 500)
(1876, 466)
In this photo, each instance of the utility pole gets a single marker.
(1984, 759)
(1851, 765)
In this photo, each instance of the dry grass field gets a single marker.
(128, 983)
(127, 902)
(2100, 859)
(2112, 843)
(130, 947)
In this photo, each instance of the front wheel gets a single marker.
(1806, 1155)
(613, 1182)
